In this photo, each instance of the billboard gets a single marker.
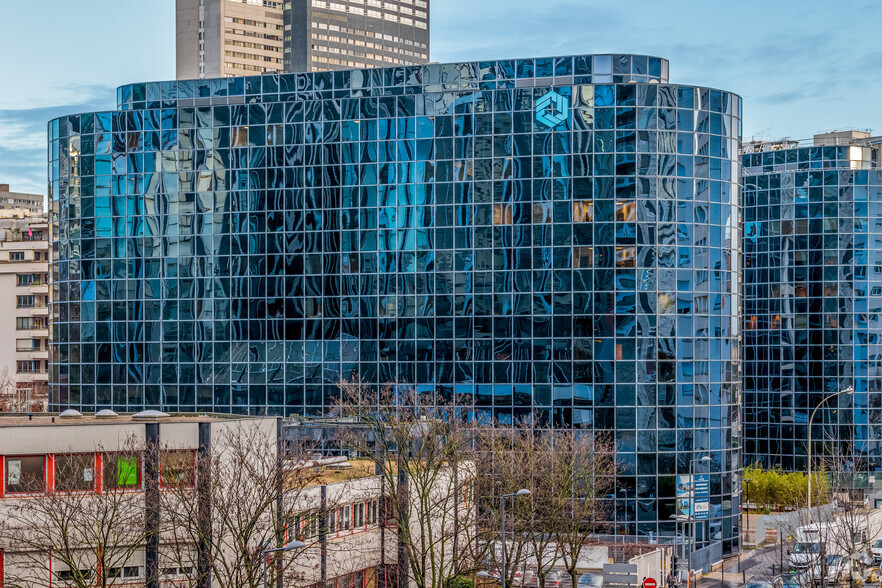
(693, 496)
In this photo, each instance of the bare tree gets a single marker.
(235, 500)
(424, 455)
(509, 459)
(581, 472)
(10, 396)
(73, 533)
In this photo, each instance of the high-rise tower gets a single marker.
(813, 303)
(225, 38)
(552, 237)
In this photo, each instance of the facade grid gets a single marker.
(553, 237)
(812, 300)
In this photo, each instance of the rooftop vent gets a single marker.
(106, 414)
(71, 414)
(149, 415)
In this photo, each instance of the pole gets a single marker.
(691, 520)
(502, 575)
(264, 554)
(848, 390)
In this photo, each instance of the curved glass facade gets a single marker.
(813, 305)
(555, 235)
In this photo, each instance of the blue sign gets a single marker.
(701, 499)
(552, 109)
(693, 496)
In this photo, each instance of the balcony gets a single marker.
(25, 354)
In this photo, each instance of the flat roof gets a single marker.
(43, 419)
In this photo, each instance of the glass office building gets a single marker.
(556, 235)
(813, 302)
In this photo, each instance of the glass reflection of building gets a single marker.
(812, 301)
(555, 235)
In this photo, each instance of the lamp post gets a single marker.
(746, 505)
(675, 565)
(502, 497)
(745, 511)
(691, 518)
(290, 546)
(848, 390)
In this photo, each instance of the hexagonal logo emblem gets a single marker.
(552, 109)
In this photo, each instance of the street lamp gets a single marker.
(746, 505)
(290, 546)
(675, 564)
(848, 390)
(502, 497)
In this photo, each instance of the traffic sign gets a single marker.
(650, 583)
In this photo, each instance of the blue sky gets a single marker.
(801, 66)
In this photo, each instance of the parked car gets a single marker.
(835, 565)
(525, 578)
(876, 550)
(590, 580)
(794, 580)
(558, 579)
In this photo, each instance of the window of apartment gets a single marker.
(16, 256)
(372, 512)
(358, 516)
(306, 526)
(73, 576)
(26, 301)
(345, 518)
(28, 279)
(332, 521)
(25, 323)
(25, 473)
(177, 469)
(124, 572)
(27, 344)
(28, 366)
(75, 472)
(177, 572)
(122, 470)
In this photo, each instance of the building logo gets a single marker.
(552, 109)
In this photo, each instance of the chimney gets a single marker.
(4, 187)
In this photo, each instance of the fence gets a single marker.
(703, 559)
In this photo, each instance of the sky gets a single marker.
(801, 66)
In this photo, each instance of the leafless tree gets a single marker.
(424, 454)
(235, 500)
(509, 459)
(582, 471)
(73, 532)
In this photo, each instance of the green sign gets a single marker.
(127, 471)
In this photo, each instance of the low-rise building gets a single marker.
(149, 470)
(9, 200)
(24, 311)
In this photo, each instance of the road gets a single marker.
(761, 564)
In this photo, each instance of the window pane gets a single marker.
(74, 472)
(122, 471)
(24, 474)
(177, 468)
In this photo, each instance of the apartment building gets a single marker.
(325, 35)
(9, 200)
(227, 38)
(24, 293)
